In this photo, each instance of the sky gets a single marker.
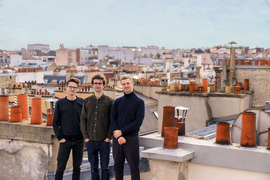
(165, 23)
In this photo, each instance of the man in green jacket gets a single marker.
(96, 128)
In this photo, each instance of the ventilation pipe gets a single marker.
(205, 85)
(171, 137)
(267, 106)
(50, 110)
(223, 133)
(4, 109)
(180, 120)
(248, 131)
(168, 118)
(246, 84)
(268, 140)
(191, 86)
(15, 114)
(22, 100)
(237, 90)
(240, 85)
(36, 112)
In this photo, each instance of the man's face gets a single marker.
(98, 85)
(72, 88)
(127, 86)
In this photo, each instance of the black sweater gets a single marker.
(66, 119)
(128, 114)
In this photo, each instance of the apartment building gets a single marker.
(67, 57)
(130, 54)
(44, 47)
(89, 55)
(126, 54)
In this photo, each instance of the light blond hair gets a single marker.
(127, 77)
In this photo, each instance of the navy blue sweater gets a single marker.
(66, 119)
(128, 114)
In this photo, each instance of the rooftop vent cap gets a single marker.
(267, 106)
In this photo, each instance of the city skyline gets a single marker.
(170, 24)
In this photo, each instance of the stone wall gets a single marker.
(5, 80)
(27, 151)
(259, 81)
(148, 90)
(23, 160)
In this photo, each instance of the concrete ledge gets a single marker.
(215, 94)
(25, 131)
(149, 85)
(209, 153)
(176, 155)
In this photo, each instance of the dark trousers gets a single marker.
(103, 149)
(129, 151)
(63, 155)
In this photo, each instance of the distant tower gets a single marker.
(232, 65)
(61, 46)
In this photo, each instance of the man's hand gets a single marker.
(62, 140)
(107, 140)
(117, 133)
(86, 140)
(122, 140)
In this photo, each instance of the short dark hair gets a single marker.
(99, 77)
(73, 79)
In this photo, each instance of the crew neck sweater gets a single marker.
(66, 119)
(127, 114)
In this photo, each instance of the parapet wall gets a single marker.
(212, 161)
(204, 107)
(27, 151)
(259, 81)
(148, 90)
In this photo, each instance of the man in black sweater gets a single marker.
(66, 125)
(126, 119)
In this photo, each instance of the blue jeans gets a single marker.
(103, 148)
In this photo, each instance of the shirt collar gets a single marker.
(99, 97)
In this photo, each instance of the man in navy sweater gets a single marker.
(66, 125)
(126, 119)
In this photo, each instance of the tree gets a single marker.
(151, 55)
(158, 55)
